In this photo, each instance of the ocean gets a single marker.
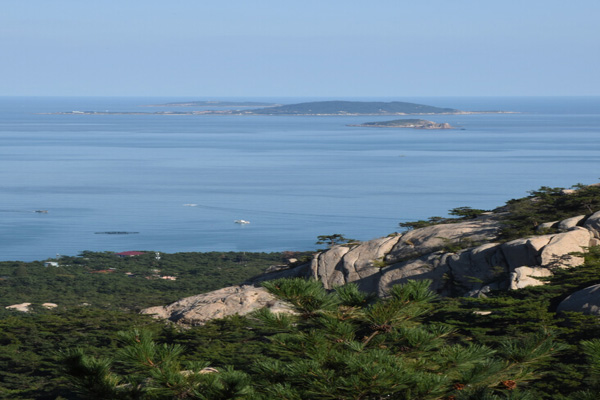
(177, 183)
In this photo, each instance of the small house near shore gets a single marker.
(50, 264)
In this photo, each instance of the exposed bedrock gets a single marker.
(460, 258)
(586, 301)
(196, 310)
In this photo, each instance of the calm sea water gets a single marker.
(293, 178)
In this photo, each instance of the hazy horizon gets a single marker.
(387, 49)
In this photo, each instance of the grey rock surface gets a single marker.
(586, 301)
(460, 258)
(196, 310)
(570, 223)
(433, 238)
(592, 224)
(522, 277)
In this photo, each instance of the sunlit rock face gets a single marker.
(461, 259)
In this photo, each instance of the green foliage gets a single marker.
(462, 213)
(342, 344)
(333, 240)
(92, 307)
(151, 371)
(529, 315)
(350, 348)
(350, 296)
(521, 217)
(422, 224)
(306, 296)
(467, 212)
(111, 282)
(30, 341)
(548, 204)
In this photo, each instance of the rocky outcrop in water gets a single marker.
(460, 258)
(406, 123)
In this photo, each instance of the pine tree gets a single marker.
(343, 345)
(148, 370)
(340, 344)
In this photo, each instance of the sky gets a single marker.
(308, 48)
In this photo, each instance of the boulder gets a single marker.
(196, 310)
(436, 237)
(586, 301)
(592, 224)
(23, 307)
(525, 276)
(545, 226)
(570, 223)
(557, 253)
(474, 267)
(451, 255)
(432, 266)
(525, 251)
(327, 266)
(341, 264)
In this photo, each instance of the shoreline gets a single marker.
(227, 112)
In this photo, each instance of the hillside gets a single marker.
(513, 247)
(353, 108)
(309, 108)
(512, 336)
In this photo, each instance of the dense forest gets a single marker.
(340, 344)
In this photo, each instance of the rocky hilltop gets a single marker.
(462, 259)
(337, 107)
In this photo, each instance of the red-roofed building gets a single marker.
(130, 253)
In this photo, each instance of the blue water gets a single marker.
(294, 178)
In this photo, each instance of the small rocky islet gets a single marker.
(406, 123)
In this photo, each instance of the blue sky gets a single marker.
(325, 48)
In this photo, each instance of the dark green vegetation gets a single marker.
(107, 281)
(335, 239)
(353, 107)
(461, 214)
(94, 303)
(529, 310)
(341, 345)
(521, 217)
(346, 345)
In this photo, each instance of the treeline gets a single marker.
(341, 345)
(105, 280)
(98, 294)
(344, 344)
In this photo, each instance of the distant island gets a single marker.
(406, 123)
(336, 108)
(354, 108)
(209, 103)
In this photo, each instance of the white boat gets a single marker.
(190, 205)
(241, 221)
